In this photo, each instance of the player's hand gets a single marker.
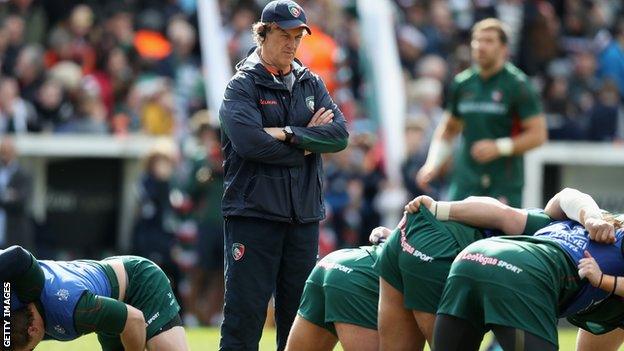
(425, 175)
(321, 116)
(588, 268)
(600, 230)
(379, 235)
(484, 151)
(412, 206)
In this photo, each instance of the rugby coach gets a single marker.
(277, 119)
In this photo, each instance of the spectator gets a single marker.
(33, 14)
(16, 114)
(157, 109)
(425, 102)
(15, 191)
(611, 59)
(90, 117)
(412, 43)
(205, 188)
(13, 26)
(111, 79)
(52, 105)
(563, 124)
(319, 52)
(584, 84)
(603, 117)
(59, 47)
(29, 69)
(120, 24)
(81, 22)
(153, 231)
(239, 40)
(433, 66)
(188, 83)
(415, 157)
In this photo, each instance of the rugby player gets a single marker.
(519, 286)
(498, 113)
(340, 297)
(126, 300)
(339, 301)
(415, 261)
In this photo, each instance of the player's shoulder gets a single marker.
(465, 76)
(515, 74)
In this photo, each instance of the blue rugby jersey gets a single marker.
(65, 282)
(572, 237)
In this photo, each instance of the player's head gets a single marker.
(279, 31)
(27, 328)
(489, 42)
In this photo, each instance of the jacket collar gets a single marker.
(252, 64)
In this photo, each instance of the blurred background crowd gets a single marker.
(134, 66)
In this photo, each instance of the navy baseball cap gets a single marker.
(286, 14)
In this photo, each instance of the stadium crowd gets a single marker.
(133, 66)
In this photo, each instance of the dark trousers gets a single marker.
(264, 257)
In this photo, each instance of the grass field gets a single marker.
(207, 339)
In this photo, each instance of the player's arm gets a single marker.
(107, 316)
(534, 131)
(482, 212)
(534, 134)
(526, 105)
(588, 268)
(578, 206)
(20, 268)
(241, 121)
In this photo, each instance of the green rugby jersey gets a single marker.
(491, 108)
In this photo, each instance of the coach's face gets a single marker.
(280, 46)
(487, 48)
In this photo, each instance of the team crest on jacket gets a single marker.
(310, 103)
(62, 294)
(294, 10)
(238, 250)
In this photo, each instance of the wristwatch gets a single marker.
(288, 133)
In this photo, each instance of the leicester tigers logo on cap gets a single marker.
(310, 103)
(238, 250)
(294, 10)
